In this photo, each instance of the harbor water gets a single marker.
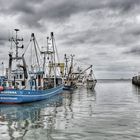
(110, 112)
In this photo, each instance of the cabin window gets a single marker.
(23, 83)
(39, 80)
(21, 76)
(10, 84)
(13, 83)
(33, 83)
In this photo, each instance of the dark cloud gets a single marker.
(76, 38)
(123, 5)
(112, 36)
(134, 31)
(3, 37)
(33, 12)
(133, 51)
(22, 7)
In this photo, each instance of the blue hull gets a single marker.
(69, 87)
(25, 96)
(27, 111)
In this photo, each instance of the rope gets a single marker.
(26, 48)
(56, 51)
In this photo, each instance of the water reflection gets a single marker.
(67, 108)
(47, 119)
(136, 89)
(17, 120)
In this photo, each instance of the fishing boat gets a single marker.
(85, 77)
(69, 80)
(136, 80)
(21, 84)
(90, 79)
(75, 78)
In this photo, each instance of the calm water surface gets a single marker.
(111, 112)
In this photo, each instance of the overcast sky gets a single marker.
(104, 33)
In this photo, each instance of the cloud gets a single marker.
(133, 51)
(34, 12)
(124, 6)
(3, 37)
(133, 30)
(102, 33)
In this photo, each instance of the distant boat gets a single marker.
(136, 80)
(74, 78)
(90, 79)
(69, 80)
(21, 85)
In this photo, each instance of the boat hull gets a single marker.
(136, 80)
(91, 84)
(69, 87)
(25, 96)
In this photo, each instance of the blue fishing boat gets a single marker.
(21, 84)
(24, 96)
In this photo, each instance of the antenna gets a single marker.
(53, 61)
(16, 41)
(66, 63)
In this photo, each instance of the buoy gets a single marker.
(1, 88)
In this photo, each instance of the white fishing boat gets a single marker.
(90, 79)
(70, 79)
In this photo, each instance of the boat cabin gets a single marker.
(17, 78)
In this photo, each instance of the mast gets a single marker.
(70, 73)
(72, 57)
(90, 67)
(66, 62)
(34, 41)
(16, 40)
(71, 67)
(45, 52)
(53, 61)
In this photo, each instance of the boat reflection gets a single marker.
(136, 89)
(19, 120)
(44, 119)
(68, 114)
(75, 104)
